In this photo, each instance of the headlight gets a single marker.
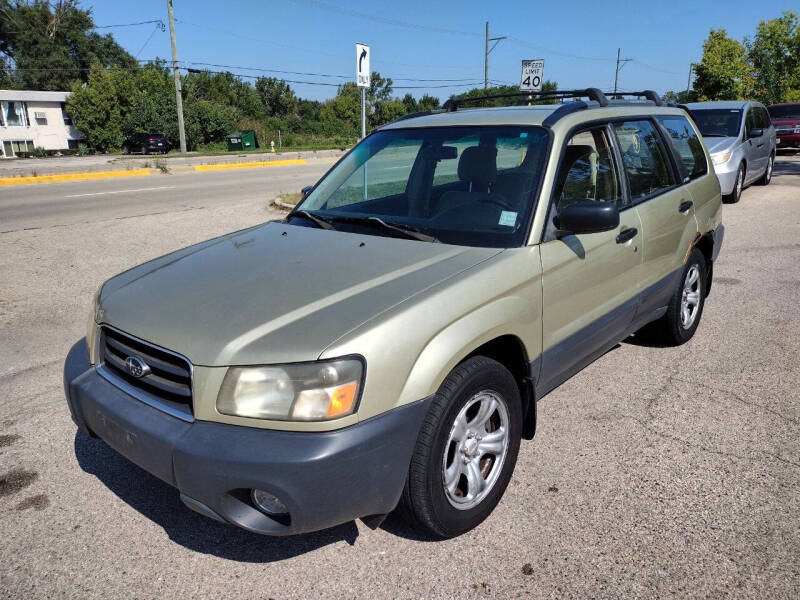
(316, 391)
(720, 157)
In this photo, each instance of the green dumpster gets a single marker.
(242, 140)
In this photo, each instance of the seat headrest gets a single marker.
(574, 152)
(478, 165)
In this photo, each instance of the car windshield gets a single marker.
(718, 122)
(785, 111)
(471, 186)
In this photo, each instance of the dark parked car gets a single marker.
(786, 119)
(146, 143)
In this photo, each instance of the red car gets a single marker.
(786, 119)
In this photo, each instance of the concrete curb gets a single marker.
(73, 176)
(250, 165)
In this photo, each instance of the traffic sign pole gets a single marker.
(363, 113)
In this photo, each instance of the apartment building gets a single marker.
(31, 119)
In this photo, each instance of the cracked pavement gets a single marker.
(655, 472)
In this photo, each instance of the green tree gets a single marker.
(723, 72)
(276, 96)
(95, 110)
(775, 55)
(514, 100)
(428, 102)
(409, 103)
(49, 45)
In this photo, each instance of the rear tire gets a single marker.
(685, 308)
(466, 449)
(738, 186)
(768, 173)
(144, 149)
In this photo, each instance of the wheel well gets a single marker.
(509, 351)
(706, 245)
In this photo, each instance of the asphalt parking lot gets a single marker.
(655, 472)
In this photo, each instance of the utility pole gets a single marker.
(616, 74)
(487, 50)
(177, 77)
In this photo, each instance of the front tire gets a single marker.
(768, 173)
(685, 308)
(738, 186)
(466, 449)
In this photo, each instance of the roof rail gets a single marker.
(647, 94)
(591, 93)
(419, 113)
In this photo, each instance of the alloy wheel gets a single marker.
(690, 297)
(476, 449)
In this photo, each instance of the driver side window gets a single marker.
(588, 170)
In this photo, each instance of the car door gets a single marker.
(589, 281)
(664, 203)
(754, 147)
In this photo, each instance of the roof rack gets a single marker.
(593, 94)
(646, 94)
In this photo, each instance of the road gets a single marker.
(48, 204)
(655, 472)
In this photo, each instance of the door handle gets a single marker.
(627, 234)
(685, 206)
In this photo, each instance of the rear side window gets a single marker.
(644, 157)
(687, 144)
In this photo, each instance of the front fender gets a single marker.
(455, 342)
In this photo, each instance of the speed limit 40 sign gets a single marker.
(532, 75)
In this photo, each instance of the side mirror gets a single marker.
(755, 132)
(305, 192)
(588, 216)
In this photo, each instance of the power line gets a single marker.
(159, 21)
(385, 20)
(526, 44)
(469, 83)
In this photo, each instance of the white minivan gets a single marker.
(742, 141)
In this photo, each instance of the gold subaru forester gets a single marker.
(385, 345)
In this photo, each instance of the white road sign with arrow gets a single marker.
(532, 75)
(362, 65)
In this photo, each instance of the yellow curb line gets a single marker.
(249, 165)
(72, 176)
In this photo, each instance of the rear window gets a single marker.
(785, 111)
(686, 143)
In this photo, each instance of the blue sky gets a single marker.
(577, 39)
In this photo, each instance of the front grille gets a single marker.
(169, 382)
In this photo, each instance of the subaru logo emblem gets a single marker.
(137, 367)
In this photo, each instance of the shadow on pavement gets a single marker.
(784, 167)
(161, 504)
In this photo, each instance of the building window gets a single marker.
(15, 114)
(67, 118)
(41, 118)
(13, 147)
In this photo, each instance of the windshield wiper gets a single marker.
(716, 135)
(406, 230)
(317, 220)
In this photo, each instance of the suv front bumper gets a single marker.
(324, 478)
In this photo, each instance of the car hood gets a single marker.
(720, 144)
(273, 293)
